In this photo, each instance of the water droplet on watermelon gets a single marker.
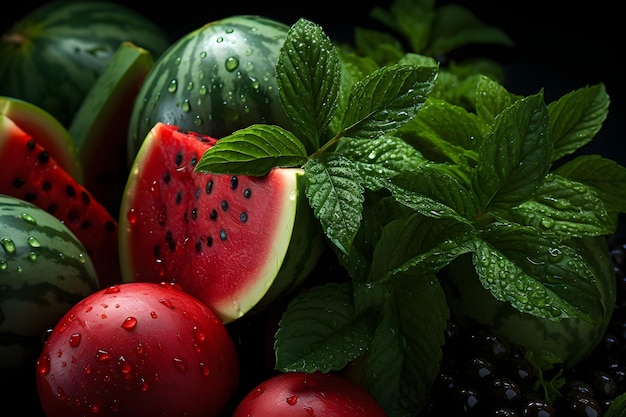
(219, 39)
(292, 400)
(125, 367)
(198, 335)
(129, 323)
(43, 365)
(114, 289)
(180, 365)
(231, 63)
(173, 86)
(28, 218)
(32, 256)
(103, 356)
(33, 242)
(3, 265)
(197, 121)
(74, 339)
(8, 245)
(204, 369)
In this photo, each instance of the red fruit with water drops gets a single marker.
(138, 349)
(302, 394)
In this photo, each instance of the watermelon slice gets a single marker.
(235, 242)
(31, 174)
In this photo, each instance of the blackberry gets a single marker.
(482, 374)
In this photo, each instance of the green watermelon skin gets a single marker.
(52, 56)
(44, 271)
(214, 80)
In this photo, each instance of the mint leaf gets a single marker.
(254, 150)
(444, 132)
(491, 99)
(537, 274)
(564, 208)
(386, 99)
(307, 74)
(335, 192)
(576, 118)
(515, 155)
(457, 26)
(605, 176)
(319, 330)
(617, 407)
(382, 47)
(411, 18)
(404, 356)
(379, 159)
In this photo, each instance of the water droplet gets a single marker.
(33, 242)
(173, 86)
(153, 314)
(219, 39)
(43, 365)
(186, 106)
(28, 218)
(32, 256)
(180, 365)
(198, 334)
(114, 289)
(204, 369)
(292, 400)
(203, 54)
(231, 63)
(74, 339)
(167, 303)
(8, 245)
(129, 323)
(3, 265)
(103, 356)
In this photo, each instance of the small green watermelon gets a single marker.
(44, 271)
(214, 80)
(31, 174)
(235, 242)
(52, 56)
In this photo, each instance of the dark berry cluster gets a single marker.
(484, 375)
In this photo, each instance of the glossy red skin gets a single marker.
(138, 349)
(300, 394)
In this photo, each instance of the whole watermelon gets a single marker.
(53, 55)
(214, 80)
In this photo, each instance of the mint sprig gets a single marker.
(409, 166)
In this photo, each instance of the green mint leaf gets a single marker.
(254, 150)
(491, 99)
(308, 74)
(617, 407)
(335, 192)
(576, 118)
(564, 208)
(382, 47)
(411, 18)
(418, 245)
(606, 177)
(457, 26)
(406, 350)
(536, 274)
(379, 159)
(386, 99)
(444, 132)
(515, 156)
(433, 191)
(319, 330)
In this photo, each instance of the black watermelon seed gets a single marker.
(85, 197)
(179, 158)
(223, 234)
(194, 213)
(186, 217)
(85, 225)
(234, 181)
(156, 251)
(166, 177)
(43, 157)
(198, 246)
(30, 197)
(224, 205)
(70, 191)
(213, 215)
(30, 145)
(247, 192)
(170, 241)
(209, 241)
(243, 216)
(18, 182)
(208, 187)
(197, 194)
(179, 197)
(46, 186)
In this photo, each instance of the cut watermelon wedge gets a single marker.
(235, 242)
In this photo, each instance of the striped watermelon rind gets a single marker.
(214, 80)
(565, 342)
(44, 271)
(52, 56)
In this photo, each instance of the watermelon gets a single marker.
(53, 55)
(238, 243)
(214, 80)
(100, 124)
(44, 271)
(31, 174)
(565, 342)
(51, 134)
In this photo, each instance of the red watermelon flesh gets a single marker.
(31, 174)
(223, 238)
